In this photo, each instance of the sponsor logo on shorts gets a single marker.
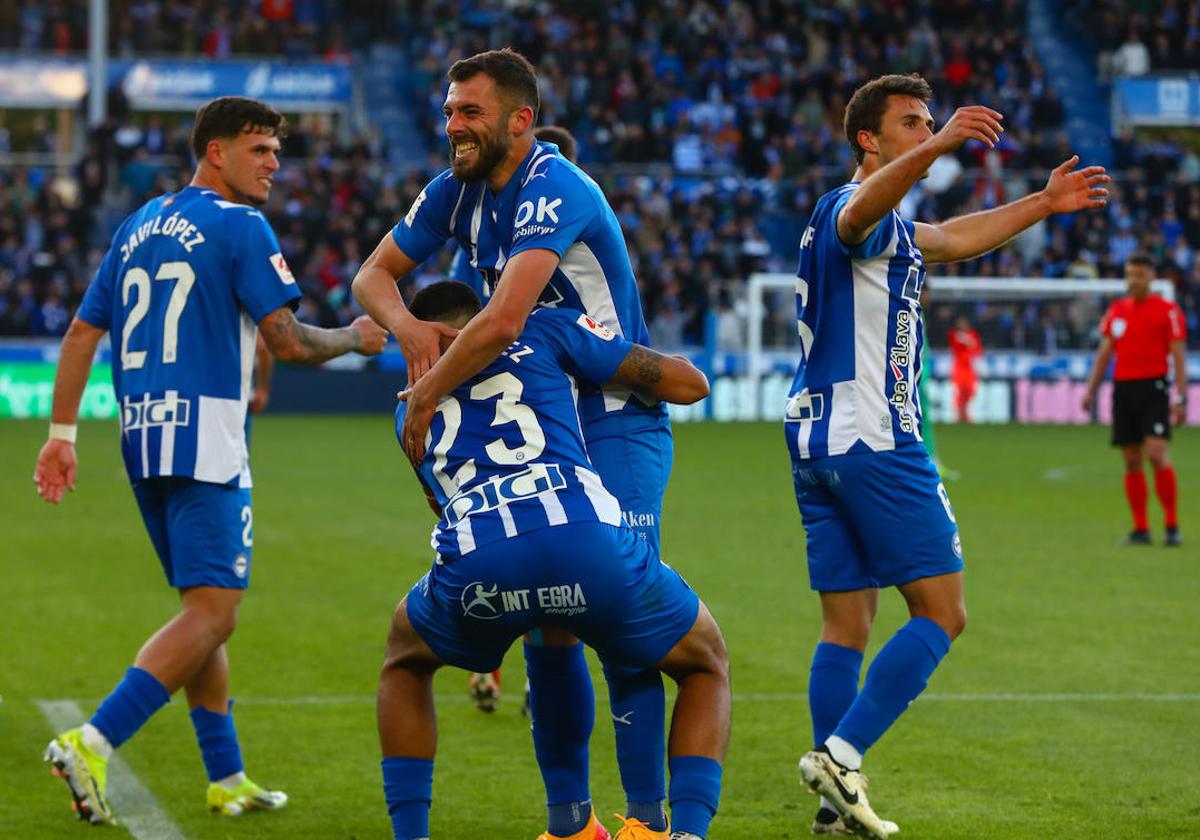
(478, 602)
(241, 564)
(956, 544)
(487, 604)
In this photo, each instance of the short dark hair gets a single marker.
(1141, 258)
(867, 106)
(513, 74)
(560, 137)
(445, 300)
(230, 116)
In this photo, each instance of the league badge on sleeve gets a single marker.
(595, 328)
(281, 268)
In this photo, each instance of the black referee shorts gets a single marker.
(1141, 409)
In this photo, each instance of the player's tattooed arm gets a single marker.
(293, 341)
(670, 378)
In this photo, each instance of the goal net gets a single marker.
(1038, 337)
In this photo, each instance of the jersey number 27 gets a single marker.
(137, 283)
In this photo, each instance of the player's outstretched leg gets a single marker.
(229, 791)
(699, 734)
(896, 677)
(407, 727)
(164, 664)
(562, 713)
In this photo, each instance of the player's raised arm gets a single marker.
(374, 287)
(672, 379)
(56, 463)
(964, 237)
(293, 341)
(883, 188)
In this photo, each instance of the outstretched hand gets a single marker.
(54, 474)
(973, 122)
(1068, 191)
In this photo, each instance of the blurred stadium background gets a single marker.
(713, 128)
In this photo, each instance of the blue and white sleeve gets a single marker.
(873, 245)
(261, 278)
(590, 350)
(426, 226)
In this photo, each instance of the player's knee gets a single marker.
(216, 609)
(954, 621)
(404, 647)
(702, 651)
(848, 634)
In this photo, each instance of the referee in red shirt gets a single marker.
(1143, 330)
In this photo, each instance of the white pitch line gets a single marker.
(787, 697)
(134, 805)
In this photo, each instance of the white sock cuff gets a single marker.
(95, 741)
(843, 752)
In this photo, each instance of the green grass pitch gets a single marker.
(999, 748)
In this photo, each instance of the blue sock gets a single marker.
(568, 818)
(408, 788)
(899, 673)
(137, 696)
(563, 708)
(695, 792)
(639, 709)
(832, 686)
(218, 742)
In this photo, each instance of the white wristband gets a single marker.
(63, 431)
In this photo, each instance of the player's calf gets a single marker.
(407, 726)
(699, 663)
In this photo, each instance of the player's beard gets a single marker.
(492, 150)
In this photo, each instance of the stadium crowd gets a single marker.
(712, 130)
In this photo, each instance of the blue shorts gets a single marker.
(635, 469)
(600, 582)
(201, 531)
(875, 519)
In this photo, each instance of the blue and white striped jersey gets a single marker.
(859, 318)
(505, 452)
(551, 204)
(186, 280)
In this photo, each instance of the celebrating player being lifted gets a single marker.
(874, 510)
(186, 279)
(528, 537)
(1143, 330)
(540, 232)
